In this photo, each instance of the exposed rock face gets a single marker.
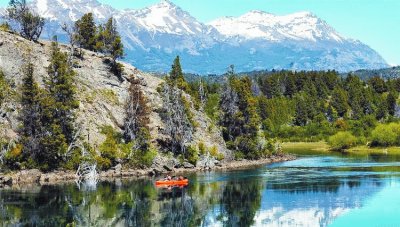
(101, 94)
(207, 162)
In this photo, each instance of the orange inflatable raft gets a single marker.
(183, 182)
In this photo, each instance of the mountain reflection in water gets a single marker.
(310, 191)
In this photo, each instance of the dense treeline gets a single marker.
(301, 106)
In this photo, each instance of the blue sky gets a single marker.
(374, 22)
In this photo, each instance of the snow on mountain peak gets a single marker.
(166, 17)
(42, 9)
(73, 9)
(261, 25)
(166, 4)
(255, 40)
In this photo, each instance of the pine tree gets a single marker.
(137, 117)
(290, 88)
(240, 120)
(85, 32)
(301, 115)
(176, 75)
(30, 24)
(354, 88)
(61, 88)
(53, 144)
(339, 101)
(382, 110)
(112, 44)
(100, 39)
(30, 114)
(391, 103)
(378, 84)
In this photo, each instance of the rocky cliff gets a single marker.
(101, 94)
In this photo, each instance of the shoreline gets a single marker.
(38, 178)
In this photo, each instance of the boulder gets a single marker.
(206, 162)
(188, 165)
(169, 165)
(5, 180)
(157, 171)
(118, 168)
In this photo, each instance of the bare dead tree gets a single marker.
(203, 98)
(73, 42)
(177, 124)
(136, 127)
(229, 106)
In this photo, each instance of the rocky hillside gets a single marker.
(101, 94)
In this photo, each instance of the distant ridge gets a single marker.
(257, 40)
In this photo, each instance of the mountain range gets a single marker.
(257, 40)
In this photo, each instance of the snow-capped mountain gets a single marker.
(71, 10)
(262, 25)
(166, 27)
(153, 36)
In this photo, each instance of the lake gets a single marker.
(323, 190)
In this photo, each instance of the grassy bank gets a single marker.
(315, 148)
(365, 150)
(306, 148)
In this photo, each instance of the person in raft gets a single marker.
(168, 178)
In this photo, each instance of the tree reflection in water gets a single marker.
(240, 202)
(306, 192)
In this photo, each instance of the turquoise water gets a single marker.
(311, 191)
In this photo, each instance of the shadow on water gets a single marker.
(304, 192)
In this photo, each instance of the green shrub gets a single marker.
(13, 156)
(140, 158)
(110, 148)
(211, 106)
(214, 151)
(73, 162)
(202, 148)
(220, 157)
(148, 157)
(4, 87)
(103, 163)
(110, 96)
(5, 27)
(192, 155)
(342, 141)
(386, 135)
(239, 155)
(341, 125)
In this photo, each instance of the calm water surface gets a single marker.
(311, 191)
